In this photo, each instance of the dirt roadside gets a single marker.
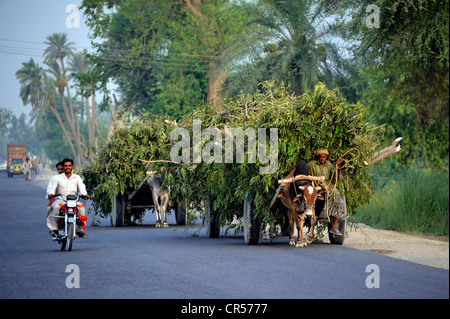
(426, 250)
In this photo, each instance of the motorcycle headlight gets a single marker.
(71, 203)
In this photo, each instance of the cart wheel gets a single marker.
(335, 239)
(285, 229)
(252, 226)
(211, 220)
(118, 210)
(180, 213)
(339, 240)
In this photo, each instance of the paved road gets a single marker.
(146, 262)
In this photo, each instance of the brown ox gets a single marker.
(301, 206)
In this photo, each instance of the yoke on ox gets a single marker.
(160, 199)
(300, 207)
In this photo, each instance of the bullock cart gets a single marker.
(253, 226)
(136, 201)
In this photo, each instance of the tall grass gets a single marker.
(413, 201)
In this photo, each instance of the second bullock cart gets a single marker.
(136, 201)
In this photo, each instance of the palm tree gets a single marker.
(87, 77)
(288, 43)
(39, 90)
(58, 50)
(76, 65)
(30, 80)
(79, 67)
(49, 93)
(60, 82)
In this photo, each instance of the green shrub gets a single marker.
(411, 201)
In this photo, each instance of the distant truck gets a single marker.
(17, 153)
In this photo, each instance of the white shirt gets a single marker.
(66, 186)
(50, 184)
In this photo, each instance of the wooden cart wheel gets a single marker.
(180, 213)
(118, 210)
(334, 239)
(252, 226)
(211, 220)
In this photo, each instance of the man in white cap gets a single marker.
(334, 204)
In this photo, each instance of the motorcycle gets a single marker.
(68, 219)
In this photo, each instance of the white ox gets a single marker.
(160, 199)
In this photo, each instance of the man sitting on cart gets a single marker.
(334, 204)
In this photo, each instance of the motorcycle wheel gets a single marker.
(63, 243)
(70, 235)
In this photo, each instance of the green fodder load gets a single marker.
(316, 119)
(119, 164)
(304, 123)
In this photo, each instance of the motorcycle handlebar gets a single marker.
(65, 196)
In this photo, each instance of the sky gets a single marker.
(24, 27)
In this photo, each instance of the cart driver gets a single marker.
(334, 203)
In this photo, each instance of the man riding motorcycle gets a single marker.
(67, 183)
(60, 170)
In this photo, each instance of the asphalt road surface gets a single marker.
(148, 262)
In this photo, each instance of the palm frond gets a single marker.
(289, 41)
